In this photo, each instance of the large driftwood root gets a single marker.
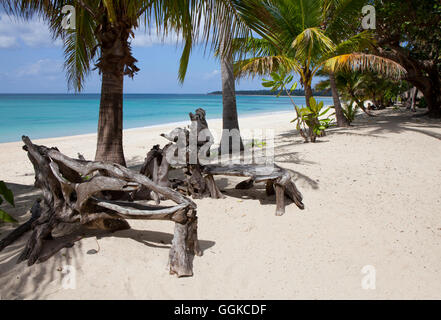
(200, 181)
(195, 141)
(73, 193)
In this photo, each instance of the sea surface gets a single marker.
(55, 115)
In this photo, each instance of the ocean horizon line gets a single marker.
(58, 115)
(137, 93)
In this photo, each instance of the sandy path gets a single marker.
(372, 196)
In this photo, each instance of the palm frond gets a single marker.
(260, 66)
(311, 43)
(365, 62)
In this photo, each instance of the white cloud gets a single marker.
(35, 33)
(7, 41)
(148, 38)
(32, 33)
(211, 75)
(43, 67)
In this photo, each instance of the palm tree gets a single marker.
(305, 36)
(104, 29)
(230, 121)
(351, 86)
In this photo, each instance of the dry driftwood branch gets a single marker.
(277, 179)
(73, 193)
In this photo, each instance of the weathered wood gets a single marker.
(213, 189)
(200, 182)
(273, 176)
(192, 141)
(246, 184)
(184, 244)
(280, 199)
(73, 193)
(269, 188)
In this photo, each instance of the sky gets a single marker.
(31, 62)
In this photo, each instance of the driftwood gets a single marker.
(200, 182)
(277, 179)
(196, 184)
(73, 193)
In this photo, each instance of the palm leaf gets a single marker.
(260, 66)
(311, 43)
(6, 217)
(365, 62)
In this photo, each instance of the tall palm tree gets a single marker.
(230, 121)
(104, 29)
(305, 36)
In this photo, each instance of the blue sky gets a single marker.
(30, 62)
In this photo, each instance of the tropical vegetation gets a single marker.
(307, 38)
(102, 40)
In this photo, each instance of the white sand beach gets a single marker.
(372, 194)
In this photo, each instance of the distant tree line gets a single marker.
(297, 92)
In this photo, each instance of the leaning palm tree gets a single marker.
(305, 36)
(104, 29)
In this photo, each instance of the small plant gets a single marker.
(308, 119)
(257, 143)
(350, 111)
(6, 194)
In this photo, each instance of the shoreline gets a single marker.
(166, 124)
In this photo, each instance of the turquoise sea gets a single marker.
(55, 115)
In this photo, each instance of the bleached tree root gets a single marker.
(74, 193)
(200, 182)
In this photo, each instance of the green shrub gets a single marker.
(308, 121)
(349, 111)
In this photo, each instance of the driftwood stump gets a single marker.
(186, 147)
(73, 192)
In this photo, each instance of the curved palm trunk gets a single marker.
(230, 122)
(341, 119)
(308, 96)
(110, 124)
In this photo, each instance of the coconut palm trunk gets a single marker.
(110, 124)
(113, 64)
(308, 96)
(230, 122)
(341, 119)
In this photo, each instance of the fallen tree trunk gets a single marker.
(72, 193)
